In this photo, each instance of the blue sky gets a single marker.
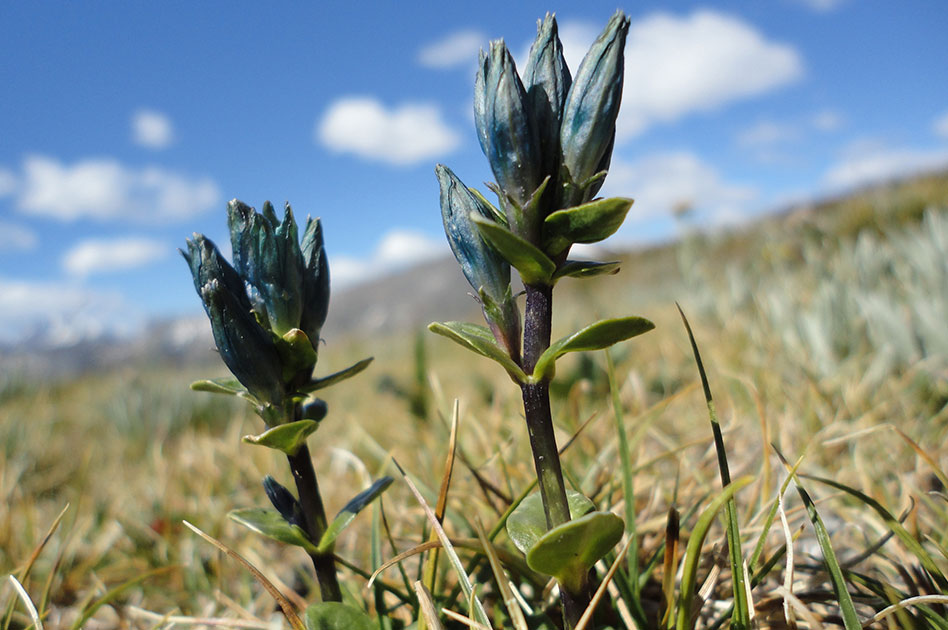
(125, 127)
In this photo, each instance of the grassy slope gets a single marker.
(814, 326)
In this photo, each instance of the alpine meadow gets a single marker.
(740, 427)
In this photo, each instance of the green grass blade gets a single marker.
(847, 609)
(628, 492)
(375, 560)
(771, 515)
(896, 527)
(689, 577)
(885, 591)
(740, 619)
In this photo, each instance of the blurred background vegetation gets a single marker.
(822, 329)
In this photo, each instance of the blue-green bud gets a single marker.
(316, 409)
(271, 263)
(247, 349)
(588, 128)
(485, 269)
(547, 80)
(482, 266)
(315, 281)
(284, 502)
(508, 134)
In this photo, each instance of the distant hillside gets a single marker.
(437, 291)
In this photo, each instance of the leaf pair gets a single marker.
(273, 524)
(597, 336)
(587, 223)
(568, 551)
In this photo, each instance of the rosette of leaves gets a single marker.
(266, 312)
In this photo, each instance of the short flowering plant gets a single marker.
(266, 313)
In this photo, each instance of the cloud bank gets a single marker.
(107, 190)
(869, 162)
(664, 182)
(398, 249)
(62, 314)
(111, 255)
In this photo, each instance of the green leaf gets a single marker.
(480, 340)
(527, 524)
(534, 266)
(335, 377)
(568, 551)
(499, 216)
(587, 223)
(349, 512)
(271, 524)
(226, 385)
(287, 437)
(336, 616)
(296, 353)
(585, 269)
(596, 336)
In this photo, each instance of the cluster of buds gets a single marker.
(266, 310)
(548, 137)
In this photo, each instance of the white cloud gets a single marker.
(397, 249)
(769, 140)
(822, 6)
(107, 255)
(664, 182)
(457, 49)
(106, 190)
(679, 65)
(940, 126)
(152, 129)
(401, 136)
(62, 314)
(15, 237)
(867, 162)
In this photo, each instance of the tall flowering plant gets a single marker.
(548, 136)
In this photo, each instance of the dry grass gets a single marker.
(133, 452)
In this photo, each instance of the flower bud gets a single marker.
(315, 281)
(482, 266)
(284, 501)
(316, 409)
(546, 79)
(507, 133)
(246, 348)
(587, 131)
(486, 271)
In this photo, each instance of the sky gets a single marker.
(127, 126)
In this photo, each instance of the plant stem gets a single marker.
(315, 515)
(536, 406)
(538, 322)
